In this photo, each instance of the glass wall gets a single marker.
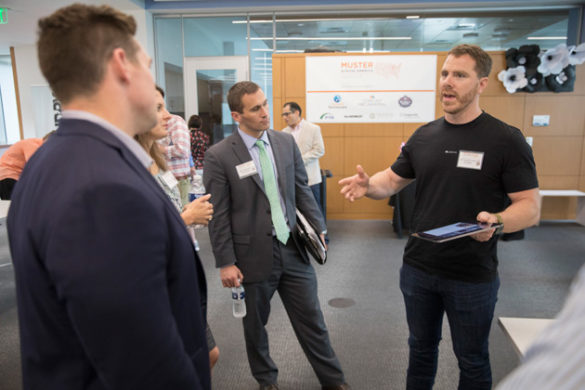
(169, 61)
(9, 128)
(211, 37)
(258, 36)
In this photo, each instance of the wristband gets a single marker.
(500, 229)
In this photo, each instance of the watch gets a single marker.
(499, 229)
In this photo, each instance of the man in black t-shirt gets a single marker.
(465, 164)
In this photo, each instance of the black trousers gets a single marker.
(296, 283)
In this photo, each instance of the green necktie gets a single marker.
(271, 189)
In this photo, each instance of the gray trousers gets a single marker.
(296, 284)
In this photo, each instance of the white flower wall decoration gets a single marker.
(530, 69)
(513, 78)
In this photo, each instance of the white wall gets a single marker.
(29, 73)
(9, 100)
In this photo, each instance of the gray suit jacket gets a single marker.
(241, 229)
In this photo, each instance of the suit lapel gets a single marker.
(243, 155)
(278, 153)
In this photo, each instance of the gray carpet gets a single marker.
(370, 335)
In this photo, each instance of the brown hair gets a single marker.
(154, 152)
(195, 122)
(483, 61)
(144, 139)
(234, 96)
(75, 43)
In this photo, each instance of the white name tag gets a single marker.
(169, 179)
(470, 160)
(246, 169)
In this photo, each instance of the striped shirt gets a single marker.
(177, 148)
(556, 360)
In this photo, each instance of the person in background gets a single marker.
(200, 211)
(199, 141)
(310, 142)
(466, 164)
(111, 293)
(176, 151)
(13, 160)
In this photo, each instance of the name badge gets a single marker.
(470, 160)
(246, 169)
(169, 179)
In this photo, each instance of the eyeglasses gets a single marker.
(286, 113)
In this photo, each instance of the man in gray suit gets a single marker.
(256, 179)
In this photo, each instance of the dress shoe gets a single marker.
(343, 386)
(269, 387)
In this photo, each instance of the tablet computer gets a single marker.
(454, 231)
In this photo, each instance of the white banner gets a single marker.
(377, 88)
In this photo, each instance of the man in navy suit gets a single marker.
(256, 179)
(111, 293)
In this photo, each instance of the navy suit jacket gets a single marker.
(110, 291)
(241, 228)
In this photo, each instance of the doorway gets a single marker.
(207, 82)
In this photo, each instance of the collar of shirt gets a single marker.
(251, 141)
(128, 141)
(298, 126)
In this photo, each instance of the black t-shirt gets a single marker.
(494, 160)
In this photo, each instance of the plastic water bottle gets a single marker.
(239, 301)
(197, 189)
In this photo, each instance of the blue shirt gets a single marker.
(254, 151)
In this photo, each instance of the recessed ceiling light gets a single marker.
(412, 17)
(546, 38)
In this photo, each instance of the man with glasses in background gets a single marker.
(308, 137)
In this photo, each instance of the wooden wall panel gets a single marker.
(276, 111)
(557, 208)
(567, 115)
(557, 182)
(367, 208)
(277, 76)
(373, 129)
(558, 156)
(294, 77)
(509, 109)
(332, 129)
(583, 158)
(372, 153)
(334, 147)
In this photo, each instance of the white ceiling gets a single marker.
(23, 16)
